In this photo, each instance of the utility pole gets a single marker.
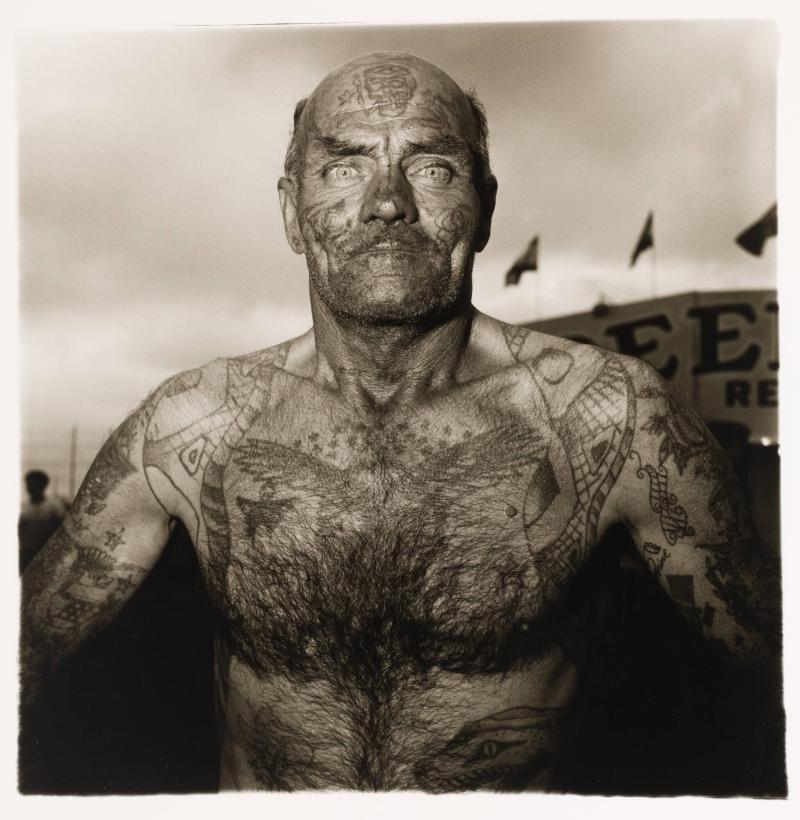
(73, 457)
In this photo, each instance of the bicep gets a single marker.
(688, 517)
(115, 509)
(111, 537)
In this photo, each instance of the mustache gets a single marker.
(400, 237)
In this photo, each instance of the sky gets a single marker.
(150, 236)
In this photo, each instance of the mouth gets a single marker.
(389, 249)
(376, 251)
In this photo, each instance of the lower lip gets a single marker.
(377, 251)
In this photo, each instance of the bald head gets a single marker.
(381, 86)
(388, 191)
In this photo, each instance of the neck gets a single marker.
(378, 367)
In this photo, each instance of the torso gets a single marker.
(389, 585)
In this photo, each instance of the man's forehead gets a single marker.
(384, 87)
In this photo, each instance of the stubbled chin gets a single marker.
(390, 297)
(392, 263)
(411, 265)
(388, 285)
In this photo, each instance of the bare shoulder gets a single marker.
(215, 388)
(190, 417)
(562, 368)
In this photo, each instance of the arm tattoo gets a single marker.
(742, 571)
(655, 556)
(70, 590)
(681, 588)
(672, 516)
(745, 577)
(685, 438)
(597, 431)
(112, 465)
(76, 584)
(116, 459)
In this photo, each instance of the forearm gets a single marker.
(689, 518)
(744, 576)
(69, 592)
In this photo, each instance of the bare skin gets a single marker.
(390, 510)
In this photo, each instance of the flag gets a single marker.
(645, 239)
(752, 239)
(528, 261)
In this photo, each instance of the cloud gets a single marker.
(94, 366)
(149, 160)
(151, 237)
(156, 176)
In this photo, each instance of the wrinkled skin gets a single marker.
(384, 206)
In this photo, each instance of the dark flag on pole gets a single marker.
(528, 261)
(645, 239)
(752, 239)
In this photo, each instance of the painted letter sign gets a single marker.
(719, 349)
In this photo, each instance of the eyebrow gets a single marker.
(343, 148)
(446, 144)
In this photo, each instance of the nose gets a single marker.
(389, 198)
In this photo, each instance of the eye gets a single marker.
(435, 173)
(341, 173)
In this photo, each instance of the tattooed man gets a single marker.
(391, 509)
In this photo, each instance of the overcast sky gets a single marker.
(150, 233)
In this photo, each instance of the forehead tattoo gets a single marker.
(390, 89)
(383, 88)
(389, 86)
(374, 91)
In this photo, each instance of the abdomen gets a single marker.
(441, 731)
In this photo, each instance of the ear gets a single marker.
(487, 196)
(288, 198)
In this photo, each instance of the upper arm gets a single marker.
(686, 512)
(115, 509)
(111, 537)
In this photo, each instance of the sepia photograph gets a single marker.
(399, 409)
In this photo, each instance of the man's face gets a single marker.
(386, 204)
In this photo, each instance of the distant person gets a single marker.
(39, 519)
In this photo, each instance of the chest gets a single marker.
(460, 480)
(412, 540)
